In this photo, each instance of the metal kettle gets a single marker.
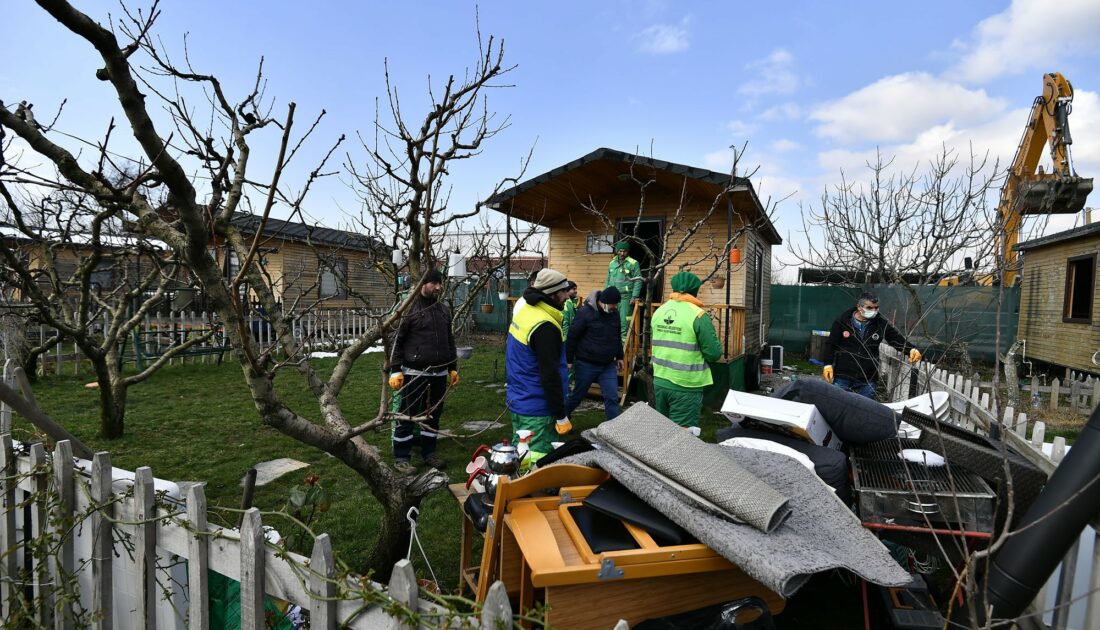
(503, 458)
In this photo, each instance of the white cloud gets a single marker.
(1028, 35)
(663, 39)
(784, 145)
(740, 129)
(772, 75)
(900, 106)
(783, 111)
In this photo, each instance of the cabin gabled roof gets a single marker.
(1084, 231)
(547, 197)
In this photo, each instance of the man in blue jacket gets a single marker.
(594, 350)
(535, 363)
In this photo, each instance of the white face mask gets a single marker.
(607, 309)
(868, 314)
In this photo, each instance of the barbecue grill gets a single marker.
(904, 493)
(884, 450)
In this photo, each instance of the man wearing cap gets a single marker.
(569, 311)
(851, 354)
(535, 363)
(424, 351)
(624, 273)
(594, 350)
(683, 342)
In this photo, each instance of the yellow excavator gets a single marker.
(1027, 189)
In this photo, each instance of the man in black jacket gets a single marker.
(423, 350)
(594, 350)
(851, 355)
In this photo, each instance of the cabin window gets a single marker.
(334, 279)
(102, 277)
(600, 243)
(1080, 286)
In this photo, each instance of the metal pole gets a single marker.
(729, 243)
(508, 266)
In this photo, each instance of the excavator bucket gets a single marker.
(1054, 195)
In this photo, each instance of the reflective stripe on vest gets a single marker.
(676, 354)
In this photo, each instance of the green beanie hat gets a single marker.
(622, 245)
(686, 282)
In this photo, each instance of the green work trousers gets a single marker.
(626, 312)
(679, 406)
(542, 428)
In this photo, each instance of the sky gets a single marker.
(813, 88)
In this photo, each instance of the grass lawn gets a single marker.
(196, 422)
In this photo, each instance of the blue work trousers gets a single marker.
(584, 374)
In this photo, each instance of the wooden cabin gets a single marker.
(593, 202)
(1060, 298)
(311, 264)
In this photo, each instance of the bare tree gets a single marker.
(213, 134)
(87, 278)
(905, 227)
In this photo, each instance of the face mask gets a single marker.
(607, 309)
(868, 314)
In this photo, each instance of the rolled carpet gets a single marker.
(703, 471)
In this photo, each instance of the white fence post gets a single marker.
(403, 589)
(63, 566)
(145, 550)
(102, 541)
(43, 591)
(8, 588)
(198, 560)
(253, 555)
(322, 590)
(496, 611)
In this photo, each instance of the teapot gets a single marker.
(503, 458)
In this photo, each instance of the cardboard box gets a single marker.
(800, 420)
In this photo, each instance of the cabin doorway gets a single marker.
(651, 232)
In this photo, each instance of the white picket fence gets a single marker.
(323, 329)
(1071, 599)
(101, 548)
(1077, 392)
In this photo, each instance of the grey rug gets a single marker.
(820, 534)
(700, 471)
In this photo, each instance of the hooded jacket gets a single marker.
(424, 340)
(595, 336)
(853, 355)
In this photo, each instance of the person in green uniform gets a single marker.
(684, 342)
(569, 311)
(624, 273)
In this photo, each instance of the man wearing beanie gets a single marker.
(423, 351)
(594, 351)
(683, 342)
(535, 364)
(624, 273)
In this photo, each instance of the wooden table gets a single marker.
(466, 570)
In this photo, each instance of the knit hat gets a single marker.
(433, 275)
(622, 245)
(572, 285)
(610, 295)
(549, 281)
(686, 282)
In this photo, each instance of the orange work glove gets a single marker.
(397, 380)
(914, 355)
(454, 378)
(563, 426)
(827, 372)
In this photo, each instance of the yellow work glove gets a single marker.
(454, 378)
(914, 355)
(397, 380)
(563, 426)
(827, 372)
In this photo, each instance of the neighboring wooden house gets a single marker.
(1060, 298)
(581, 243)
(311, 264)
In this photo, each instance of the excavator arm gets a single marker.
(1027, 189)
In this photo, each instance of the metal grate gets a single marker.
(931, 425)
(886, 450)
(905, 476)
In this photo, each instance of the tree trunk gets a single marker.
(112, 399)
(1012, 379)
(392, 541)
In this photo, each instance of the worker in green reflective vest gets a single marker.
(624, 273)
(683, 342)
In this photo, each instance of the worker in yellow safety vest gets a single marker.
(683, 342)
